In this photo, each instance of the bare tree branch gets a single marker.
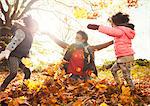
(15, 9)
(8, 20)
(24, 1)
(63, 3)
(7, 2)
(2, 9)
(27, 8)
(6, 14)
(18, 12)
(89, 3)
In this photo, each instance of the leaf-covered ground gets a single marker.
(52, 87)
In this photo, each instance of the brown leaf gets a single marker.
(77, 103)
(3, 96)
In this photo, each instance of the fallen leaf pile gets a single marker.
(53, 87)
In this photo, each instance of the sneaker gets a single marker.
(2, 89)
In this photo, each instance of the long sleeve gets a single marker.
(59, 42)
(17, 39)
(111, 31)
(101, 46)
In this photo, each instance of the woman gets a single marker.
(79, 57)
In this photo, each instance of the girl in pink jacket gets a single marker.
(123, 32)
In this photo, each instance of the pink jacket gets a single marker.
(122, 37)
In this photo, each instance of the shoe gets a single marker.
(2, 89)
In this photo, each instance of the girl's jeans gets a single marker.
(125, 67)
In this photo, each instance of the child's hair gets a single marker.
(83, 34)
(120, 18)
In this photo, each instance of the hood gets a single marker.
(129, 32)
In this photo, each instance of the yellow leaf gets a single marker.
(126, 91)
(103, 104)
(33, 85)
(27, 62)
(80, 12)
(101, 87)
(50, 72)
(119, 104)
(21, 99)
(125, 97)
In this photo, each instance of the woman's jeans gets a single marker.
(14, 64)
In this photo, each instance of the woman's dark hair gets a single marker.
(120, 18)
(83, 34)
(29, 21)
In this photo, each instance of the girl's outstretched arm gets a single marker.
(111, 31)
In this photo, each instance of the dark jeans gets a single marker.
(14, 64)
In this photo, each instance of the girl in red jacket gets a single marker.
(123, 32)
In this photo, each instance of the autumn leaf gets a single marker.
(66, 92)
(126, 91)
(18, 101)
(50, 72)
(53, 100)
(101, 87)
(92, 15)
(80, 13)
(3, 96)
(13, 102)
(119, 104)
(77, 103)
(71, 87)
(33, 85)
(103, 104)
(126, 97)
(27, 62)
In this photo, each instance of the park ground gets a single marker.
(52, 87)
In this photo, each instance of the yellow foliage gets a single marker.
(119, 104)
(33, 85)
(126, 91)
(101, 87)
(126, 97)
(80, 13)
(18, 101)
(103, 104)
(27, 62)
